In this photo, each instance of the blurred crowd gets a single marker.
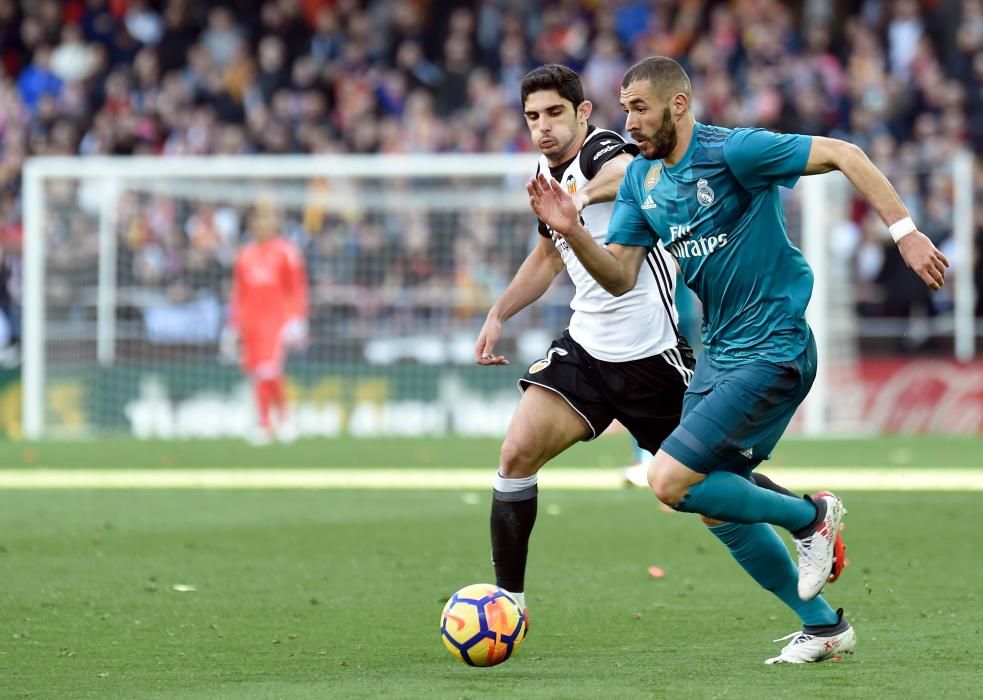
(901, 78)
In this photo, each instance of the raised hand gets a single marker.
(927, 261)
(552, 204)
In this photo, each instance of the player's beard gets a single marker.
(663, 142)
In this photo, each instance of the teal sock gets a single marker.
(733, 499)
(761, 552)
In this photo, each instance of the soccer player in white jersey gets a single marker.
(621, 358)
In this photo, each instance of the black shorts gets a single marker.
(646, 396)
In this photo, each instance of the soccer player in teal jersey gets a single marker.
(711, 196)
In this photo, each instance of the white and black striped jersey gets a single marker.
(640, 323)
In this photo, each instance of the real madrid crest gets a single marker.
(652, 176)
(704, 194)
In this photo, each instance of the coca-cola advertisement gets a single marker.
(892, 395)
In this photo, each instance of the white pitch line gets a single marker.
(796, 479)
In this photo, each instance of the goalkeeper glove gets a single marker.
(295, 332)
(228, 345)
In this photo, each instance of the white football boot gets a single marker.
(808, 648)
(258, 436)
(520, 600)
(636, 475)
(286, 431)
(817, 550)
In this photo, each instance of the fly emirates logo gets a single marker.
(683, 246)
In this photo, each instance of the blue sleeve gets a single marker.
(760, 158)
(628, 226)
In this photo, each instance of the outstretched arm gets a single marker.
(615, 267)
(917, 250)
(533, 278)
(603, 187)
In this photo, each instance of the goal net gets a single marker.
(127, 274)
(129, 277)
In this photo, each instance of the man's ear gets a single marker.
(583, 110)
(680, 104)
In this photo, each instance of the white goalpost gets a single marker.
(96, 335)
(127, 268)
(840, 403)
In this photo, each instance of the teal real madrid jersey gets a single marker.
(719, 212)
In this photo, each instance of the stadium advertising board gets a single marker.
(875, 397)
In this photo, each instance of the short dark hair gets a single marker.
(665, 75)
(553, 76)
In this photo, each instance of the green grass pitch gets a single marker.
(337, 594)
(417, 453)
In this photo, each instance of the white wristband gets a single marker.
(900, 229)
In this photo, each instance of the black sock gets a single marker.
(511, 525)
(820, 516)
(828, 630)
(766, 483)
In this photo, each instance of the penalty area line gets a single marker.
(794, 478)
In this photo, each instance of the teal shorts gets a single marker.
(733, 417)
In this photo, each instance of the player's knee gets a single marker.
(665, 487)
(517, 459)
(710, 522)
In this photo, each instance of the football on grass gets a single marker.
(482, 625)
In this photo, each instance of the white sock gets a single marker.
(503, 485)
(520, 598)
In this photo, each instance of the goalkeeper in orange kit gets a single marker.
(267, 316)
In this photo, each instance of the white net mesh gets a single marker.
(404, 257)
(401, 273)
(888, 340)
